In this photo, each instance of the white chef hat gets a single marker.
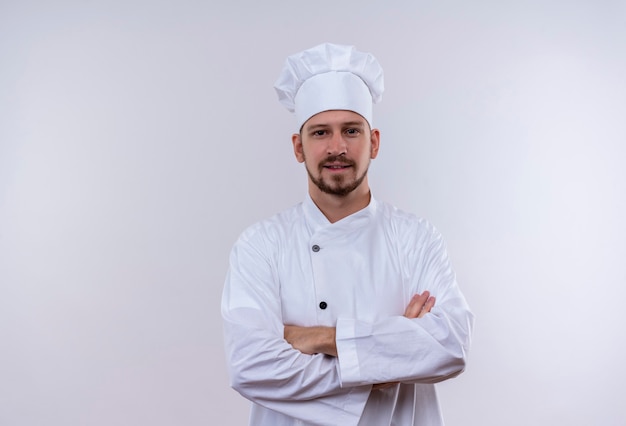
(327, 77)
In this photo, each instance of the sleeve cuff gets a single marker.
(349, 368)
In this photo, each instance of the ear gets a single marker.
(375, 143)
(296, 140)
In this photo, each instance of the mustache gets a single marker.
(336, 159)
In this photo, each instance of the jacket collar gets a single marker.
(316, 220)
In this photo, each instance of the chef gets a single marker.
(341, 310)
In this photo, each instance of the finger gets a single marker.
(427, 307)
(420, 300)
(412, 309)
(416, 305)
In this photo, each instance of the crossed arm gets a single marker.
(314, 340)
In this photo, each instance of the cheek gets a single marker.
(366, 154)
(313, 153)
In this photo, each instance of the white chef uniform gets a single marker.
(358, 275)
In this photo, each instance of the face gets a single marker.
(336, 148)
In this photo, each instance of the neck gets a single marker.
(337, 207)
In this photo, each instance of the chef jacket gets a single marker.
(358, 275)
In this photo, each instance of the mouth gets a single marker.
(335, 167)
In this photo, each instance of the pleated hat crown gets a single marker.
(330, 77)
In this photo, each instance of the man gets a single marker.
(341, 310)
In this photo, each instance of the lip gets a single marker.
(336, 167)
(338, 164)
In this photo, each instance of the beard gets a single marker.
(339, 185)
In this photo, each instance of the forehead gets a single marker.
(333, 118)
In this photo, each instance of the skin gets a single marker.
(321, 340)
(336, 148)
(343, 140)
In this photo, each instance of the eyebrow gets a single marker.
(312, 127)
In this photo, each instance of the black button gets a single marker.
(315, 248)
(323, 305)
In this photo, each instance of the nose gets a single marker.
(337, 144)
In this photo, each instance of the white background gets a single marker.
(139, 138)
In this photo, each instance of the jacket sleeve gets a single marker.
(263, 367)
(420, 350)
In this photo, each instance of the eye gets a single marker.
(319, 133)
(352, 132)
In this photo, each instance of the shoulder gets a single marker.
(411, 234)
(274, 228)
(402, 221)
